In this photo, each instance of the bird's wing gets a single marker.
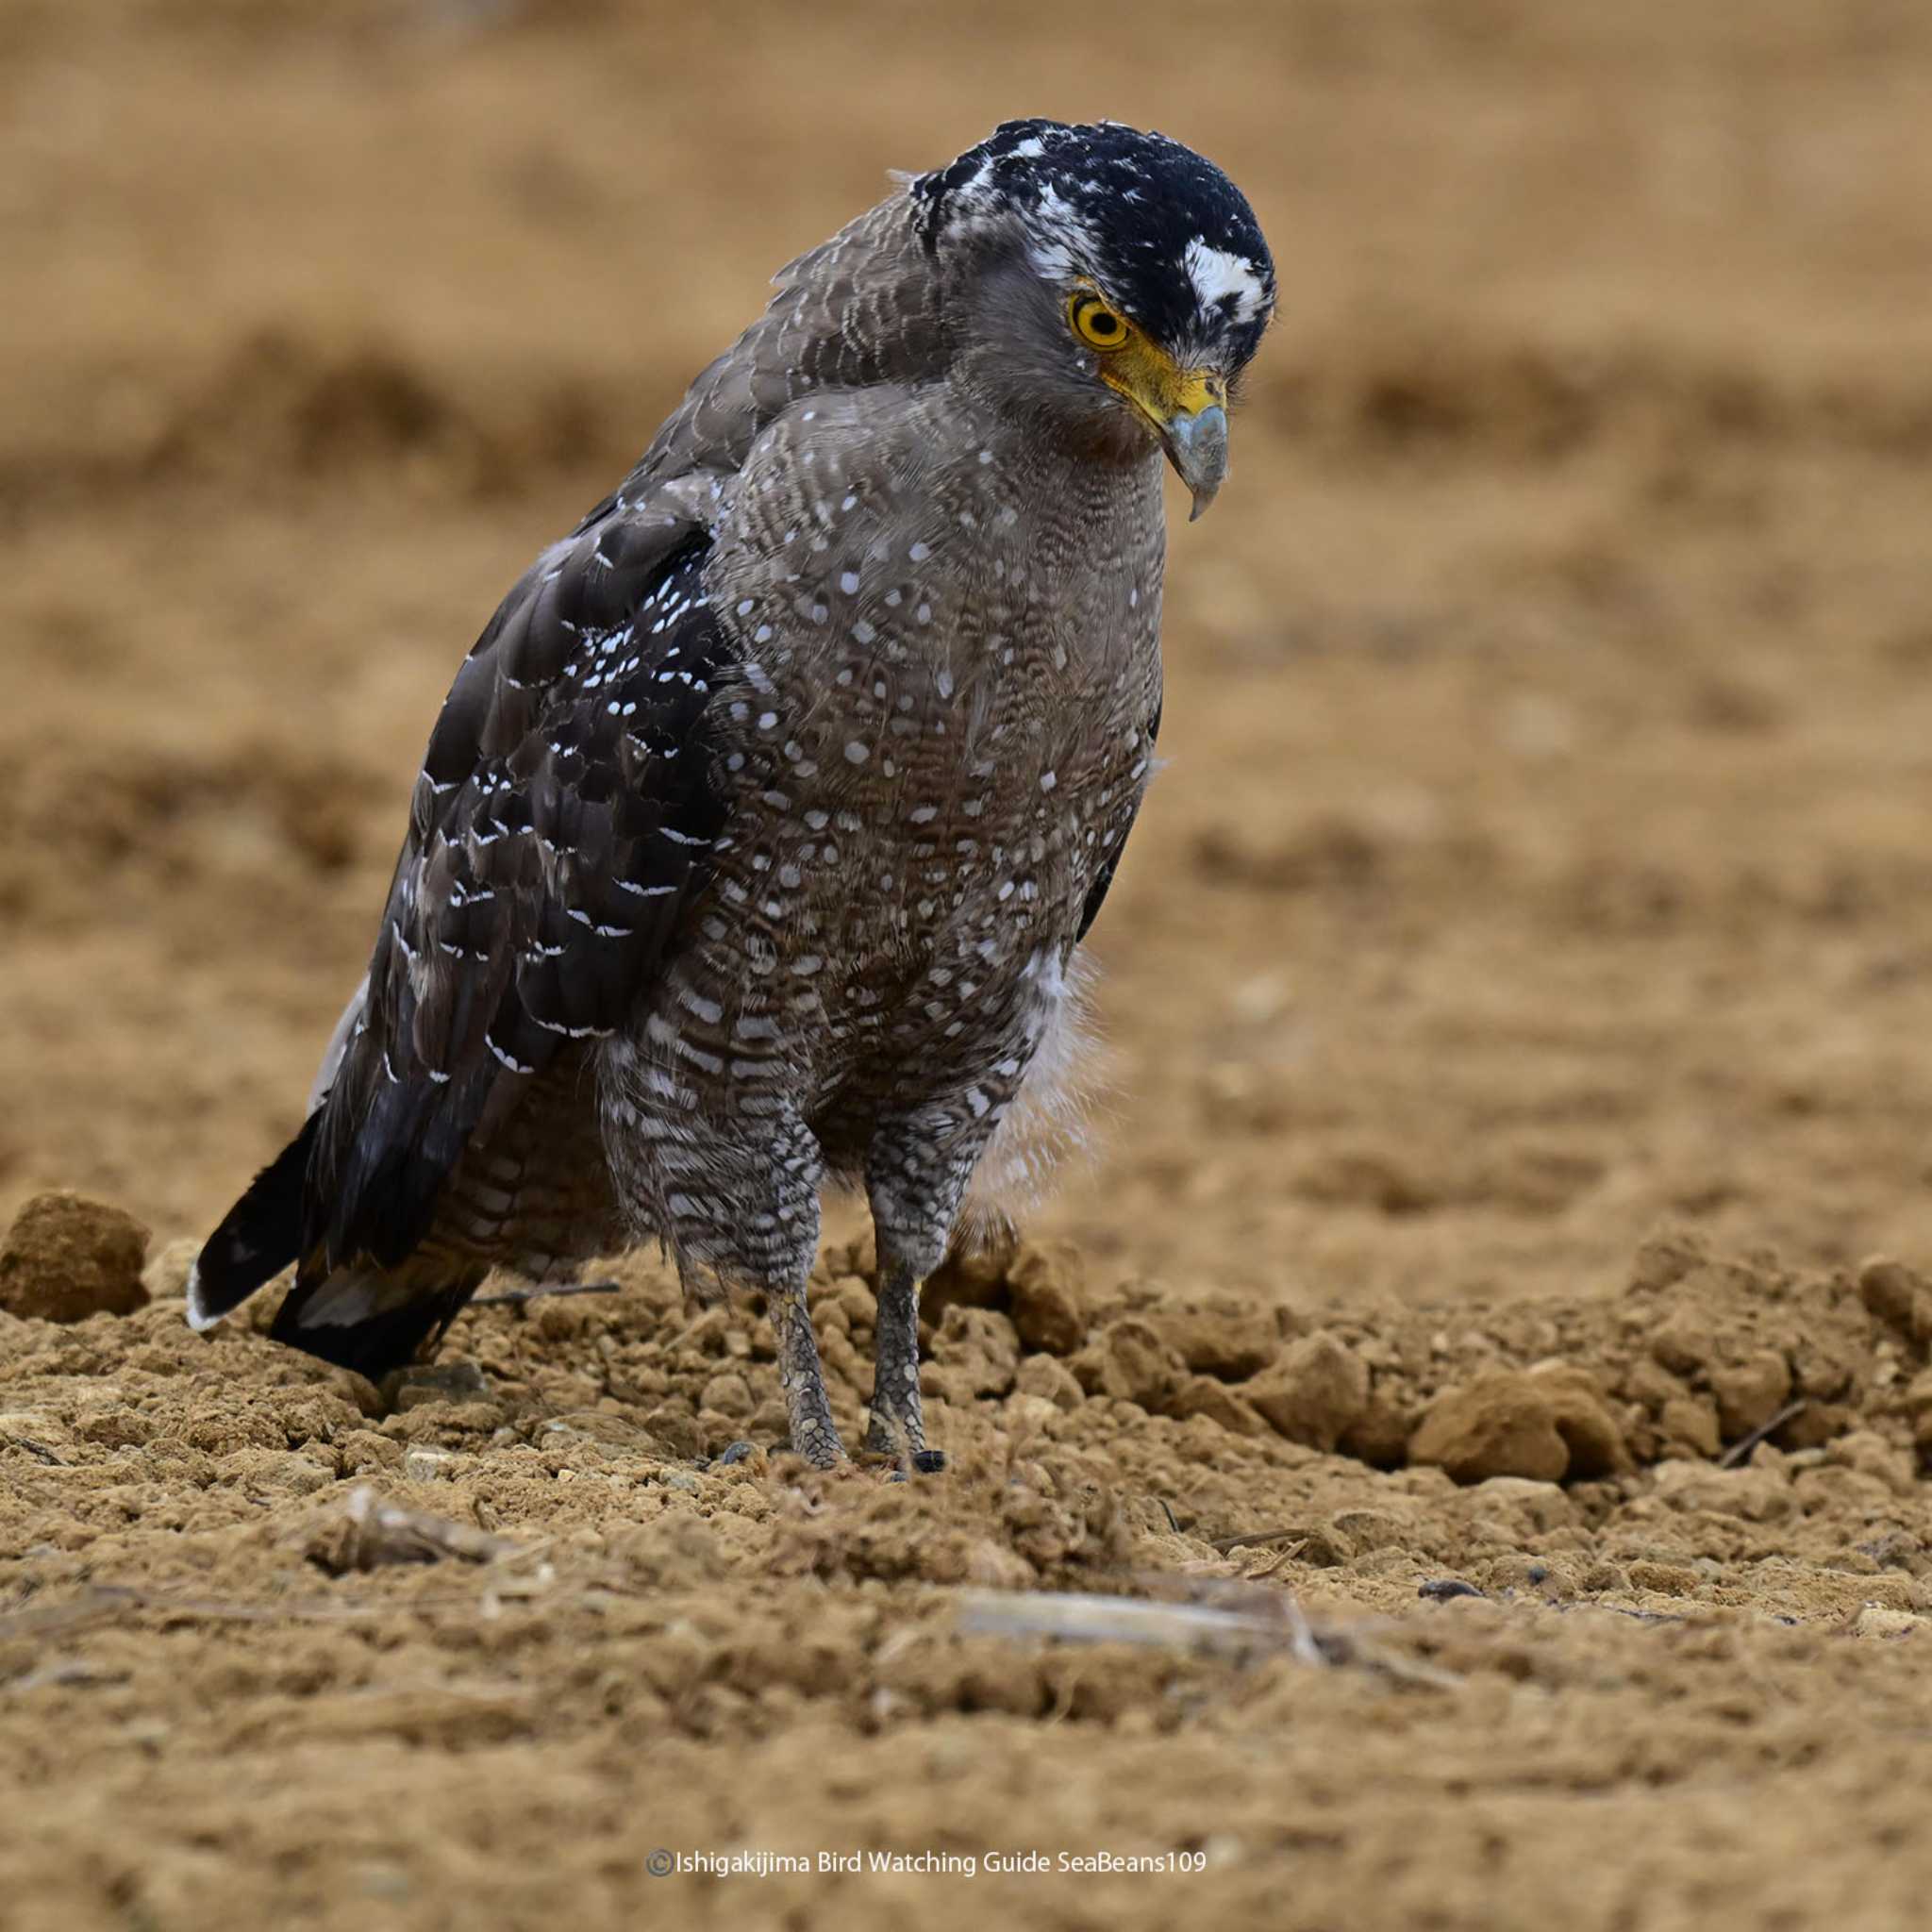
(1103, 879)
(563, 818)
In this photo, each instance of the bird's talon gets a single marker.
(736, 1452)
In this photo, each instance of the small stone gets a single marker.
(1129, 1362)
(1750, 1393)
(1501, 1424)
(1223, 1336)
(429, 1465)
(1379, 1436)
(1664, 1260)
(1314, 1393)
(1026, 1411)
(1815, 1424)
(969, 1278)
(728, 1394)
(1584, 1420)
(1690, 1422)
(275, 1470)
(1206, 1395)
(1874, 1620)
(1530, 1505)
(1752, 1495)
(1898, 1296)
(1052, 1381)
(417, 1384)
(67, 1258)
(978, 1351)
(1044, 1294)
(858, 1300)
(561, 1318)
(1683, 1343)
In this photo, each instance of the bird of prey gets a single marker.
(755, 839)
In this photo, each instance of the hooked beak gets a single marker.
(1196, 445)
(1186, 408)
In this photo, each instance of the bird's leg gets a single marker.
(897, 1424)
(814, 1435)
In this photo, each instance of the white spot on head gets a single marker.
(1216, 274)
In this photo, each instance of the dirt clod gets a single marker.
(1130, 1361)
(66, 1257)
(1315, 1393)
(1044, 1297)
(1502, 1424)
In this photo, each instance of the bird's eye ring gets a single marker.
(1097, 325)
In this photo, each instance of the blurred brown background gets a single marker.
(1544, 852)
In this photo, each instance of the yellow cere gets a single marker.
(1141, 370)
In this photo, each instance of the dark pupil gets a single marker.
(1101, 324)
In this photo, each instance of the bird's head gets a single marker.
(1112, 283)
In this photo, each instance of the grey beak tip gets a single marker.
(1197, 448)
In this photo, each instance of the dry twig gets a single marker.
(1744, 1444)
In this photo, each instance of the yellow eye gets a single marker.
(1097, 325)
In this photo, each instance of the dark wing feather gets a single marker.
(1103, 879)
(564, 813)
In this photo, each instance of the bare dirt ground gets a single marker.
(1519, 997)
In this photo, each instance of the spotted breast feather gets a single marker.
(563, 816)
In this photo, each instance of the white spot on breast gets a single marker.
(848, 582)
(855, 754)
(920, 552)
